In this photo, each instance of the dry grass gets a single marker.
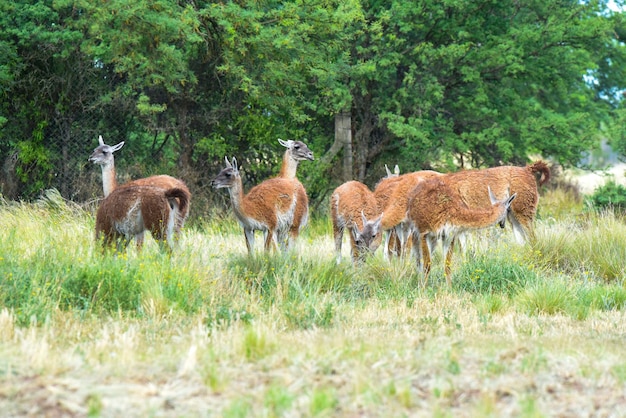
(433, 358)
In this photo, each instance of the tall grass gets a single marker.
(587, 247)
(50, 262)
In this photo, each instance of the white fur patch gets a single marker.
(284, 220)
(171, 223)
(132, 224)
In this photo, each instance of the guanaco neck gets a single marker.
(109, 183)
(236, 198)
(289, 166)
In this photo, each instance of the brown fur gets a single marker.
(392, 195)
(131, 210)
(436, 210)
(103, 156)
(471, 185)
(268, 207)
(354, 206)
(382, 193)
(296, 151)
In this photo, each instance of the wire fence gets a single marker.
(60, 159)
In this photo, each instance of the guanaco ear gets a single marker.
(492, 197)
(396, 170)
(100, 140)
(388, 171)
(116, 147)
(363, 218)
(228, 164)
(379, 221)
(356, 234)
(235, 164)
(286, 144)
(511, 199)
(376, 225)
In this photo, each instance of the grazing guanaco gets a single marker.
(103, 156)
(392, 246)
(268, 207)
(522, 181)
(437, 211)
(392, 194)
(382, 193)
(296, 151)
(353, 206)
(129, 211)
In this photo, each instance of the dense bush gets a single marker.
(609, 196)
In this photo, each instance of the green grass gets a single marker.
(297, 334)
(50, 262)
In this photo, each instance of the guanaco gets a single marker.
(268, 207)
(436, 210)
(505, 179)
(353, 206)
(296, 151)
(103, 156)
(129, 211)
(392, 195)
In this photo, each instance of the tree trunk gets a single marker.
(343, 135)
(9, 184)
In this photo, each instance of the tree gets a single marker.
(48, 86)
(479, 83)
(289, 62)
(424, 84)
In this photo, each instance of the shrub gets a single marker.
(609, 196)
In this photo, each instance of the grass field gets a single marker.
(525, 331)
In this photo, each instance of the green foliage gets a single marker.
(609, 196)
(429, 84)
(275, 280)
(619, 372)
(488, 304)
(278, 400)
(606, 298)
(324, 401)
(240, 408)
(34, 162)
(94, 405)
(256, 344)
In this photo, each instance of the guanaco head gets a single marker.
(506, 203)
(228, 176)
(103, 154)
(368, 239)
(297, 149)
